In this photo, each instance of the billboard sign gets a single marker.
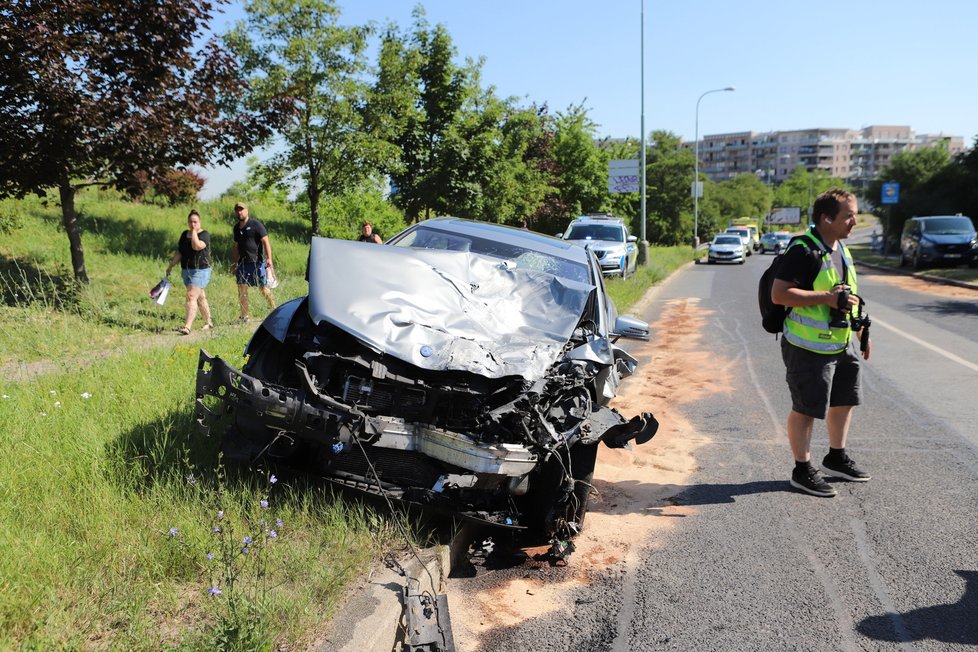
(623, 176)
(785, 215)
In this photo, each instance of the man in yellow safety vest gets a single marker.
(817, 281)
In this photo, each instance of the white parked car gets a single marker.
(727, 248)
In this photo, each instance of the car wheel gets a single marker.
(916, 259)
(742, 261)
(549, 506)
(973, 263)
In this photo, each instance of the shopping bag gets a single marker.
(160, 291)
(271, 281)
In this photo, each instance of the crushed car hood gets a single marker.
(445, 310)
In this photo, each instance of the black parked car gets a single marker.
(463, 366)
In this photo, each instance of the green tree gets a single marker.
(582, 166)
(743, 196)
(418, 104)
(92, 92)
(802, 187)
(299, 57)
(515, 181)
(669, 206)
(913, 170)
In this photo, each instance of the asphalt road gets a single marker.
(749, 564)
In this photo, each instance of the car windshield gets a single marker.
(428, 238)
(727, 240)
(769, 237)
(946, 225)
(783, 236)
(607, 232)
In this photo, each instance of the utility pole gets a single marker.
(643, 244)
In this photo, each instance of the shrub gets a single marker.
(10, 217)
(178, 186)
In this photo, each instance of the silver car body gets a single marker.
(462, 358)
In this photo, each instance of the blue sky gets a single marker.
(832, 63)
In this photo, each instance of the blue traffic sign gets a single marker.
(891, 193)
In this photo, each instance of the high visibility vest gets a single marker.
(808, 327)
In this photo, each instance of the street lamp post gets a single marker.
(696, 166)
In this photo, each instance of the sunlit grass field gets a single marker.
(109, 495)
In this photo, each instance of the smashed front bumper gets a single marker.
(308, 414)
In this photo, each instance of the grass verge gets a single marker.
(109, 500)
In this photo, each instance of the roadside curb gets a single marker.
(924, 277)
(370, 616)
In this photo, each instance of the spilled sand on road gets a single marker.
(914, 284)
(630, 506)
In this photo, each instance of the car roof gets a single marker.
(509, 235)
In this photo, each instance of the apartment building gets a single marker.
(856, 155)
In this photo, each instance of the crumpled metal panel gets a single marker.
(445, 310)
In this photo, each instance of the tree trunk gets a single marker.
(313, 193)
(70, 220)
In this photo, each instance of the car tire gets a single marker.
(545, 509)
(973, 263)
(916, 259)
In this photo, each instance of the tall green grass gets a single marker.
(662, 261)
(100, 464)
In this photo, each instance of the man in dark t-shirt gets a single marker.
(252, 258)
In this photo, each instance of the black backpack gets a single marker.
(773, 314)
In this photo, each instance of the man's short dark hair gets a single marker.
(363, 224)
(830, 202)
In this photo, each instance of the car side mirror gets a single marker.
(633, 238)
(631, 328)
(559, 235)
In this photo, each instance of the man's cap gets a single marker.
(240, 206)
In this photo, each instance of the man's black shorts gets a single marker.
(818, 381)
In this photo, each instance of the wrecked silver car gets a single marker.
(464, 366)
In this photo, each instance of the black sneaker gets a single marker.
(810, 481)
(845, 469)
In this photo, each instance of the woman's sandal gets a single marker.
(206, 327)
(183, 330)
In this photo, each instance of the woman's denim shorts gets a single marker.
(196, 277)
